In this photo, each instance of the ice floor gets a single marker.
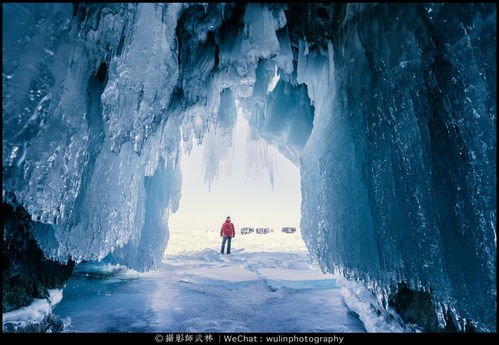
(205, 291)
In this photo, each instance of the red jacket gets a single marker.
(227, 229)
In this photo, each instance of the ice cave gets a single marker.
(388, 111)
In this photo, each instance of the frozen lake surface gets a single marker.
(254, 289)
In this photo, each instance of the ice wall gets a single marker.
(398, 176)
(86, 91)
(388, 109)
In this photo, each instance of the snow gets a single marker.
(33, 313)
(267, 284)
(185, 241)
(366, 305)
(206, 292)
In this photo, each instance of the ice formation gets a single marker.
(398, 176)
(36, 316)
(389, 110)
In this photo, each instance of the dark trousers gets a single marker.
(228, 240)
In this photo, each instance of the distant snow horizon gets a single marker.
(186, 241)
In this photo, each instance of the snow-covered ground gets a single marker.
(182, 242)
(208, 292)
(267, 284)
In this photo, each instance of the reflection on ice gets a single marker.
(208, 292)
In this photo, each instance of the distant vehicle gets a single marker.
(289, 230)
(263, 231)
(245, 231)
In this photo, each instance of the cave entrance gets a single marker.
(241, 176)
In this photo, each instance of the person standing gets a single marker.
(227, 232)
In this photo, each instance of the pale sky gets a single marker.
(249, 201)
